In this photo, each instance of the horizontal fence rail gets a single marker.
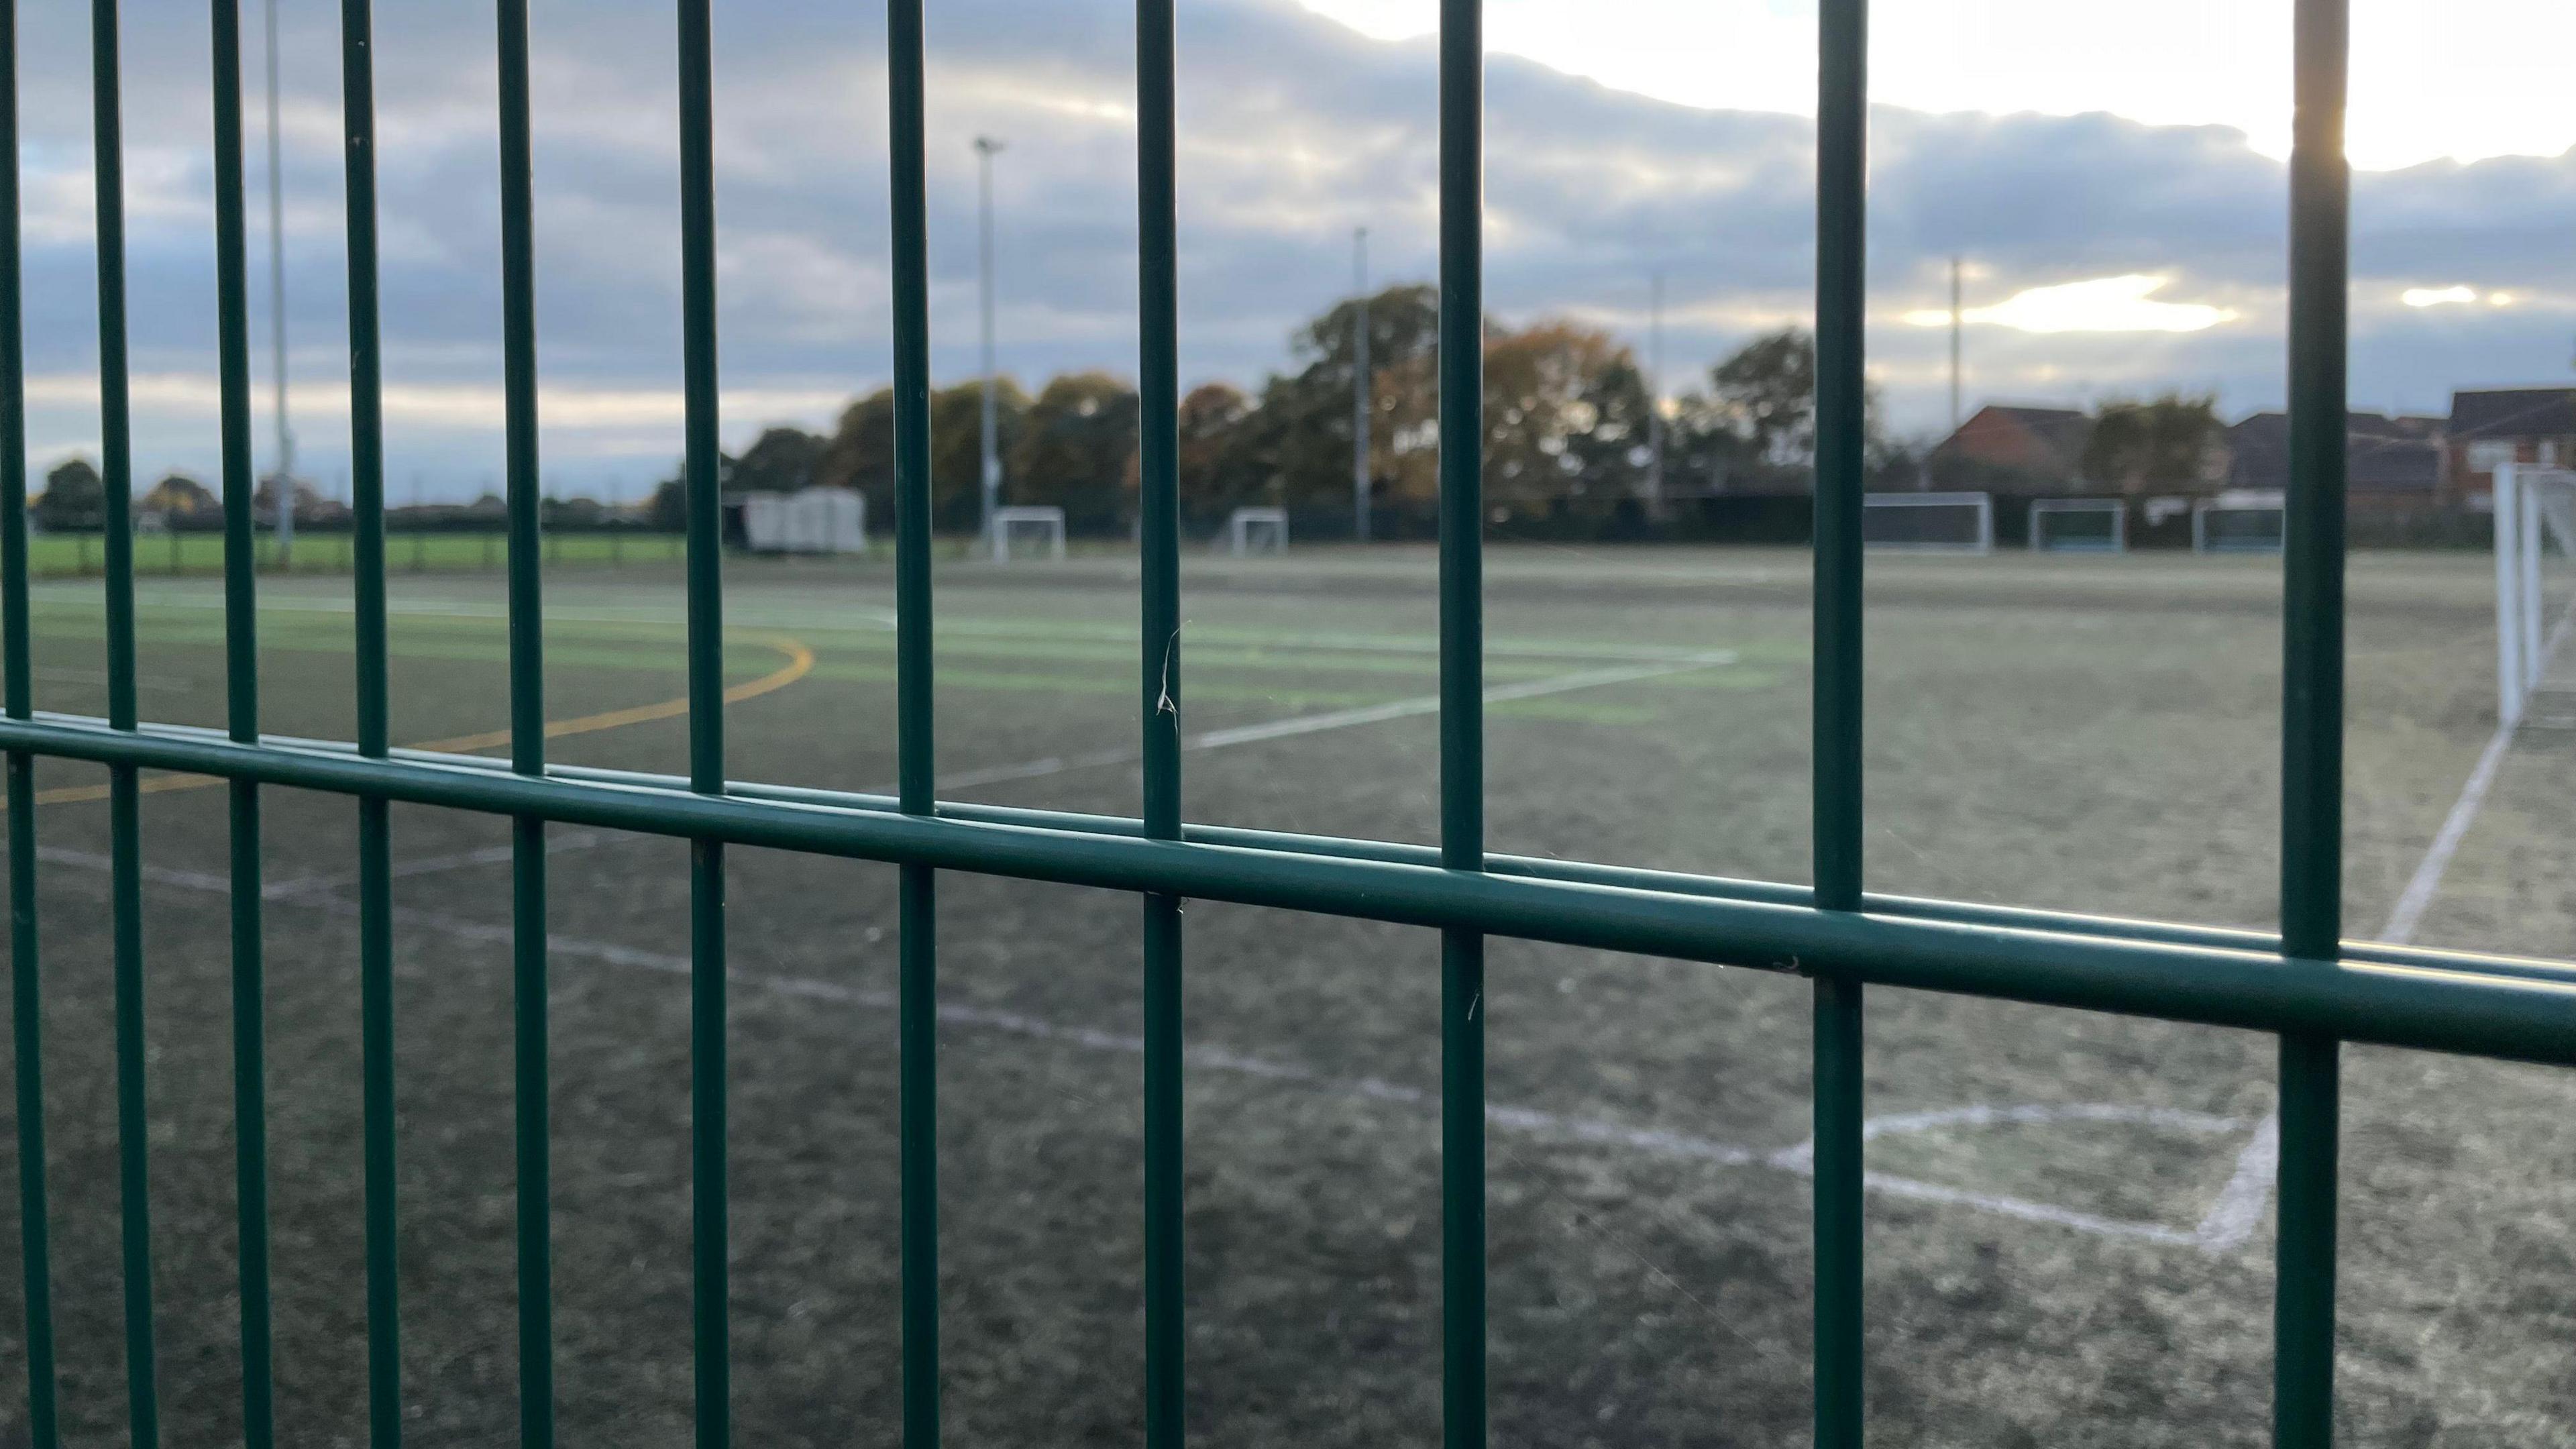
(2304, 983)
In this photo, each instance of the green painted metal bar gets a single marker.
(2456, 1008)
(1842, 175)
(375, 850)
(700, 466)
(917, 922)
(1159, 710)
(531, 1081)
(241, 712)
(2312, 722)
(1462, 715)
(83, 743)
(124, 805)
(26, 991)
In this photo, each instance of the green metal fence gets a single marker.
(2305, 983)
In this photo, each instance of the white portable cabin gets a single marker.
(810, 520)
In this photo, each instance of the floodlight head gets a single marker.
(988, 145)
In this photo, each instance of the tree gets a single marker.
(1565, 417)
(1767, 393)
(1218, 469)
(780, 460)
(1754, 428)
(860, 454)
(956, 449)
(1076, 448)
(178, 496)
(2167, 442)
(75, 499)
(667, 511)
(1299, 438)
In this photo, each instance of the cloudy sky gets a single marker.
(2111, 172)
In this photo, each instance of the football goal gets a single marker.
(2535, 513)
(2079, 525)
(1033, 527)
(1256, 530)
(2239, 521)
(1929, 522)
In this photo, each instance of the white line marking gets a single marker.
(2239, 1207)
(1530, 1121)
(1430, 703)
(1065, 764)
(2419, 892)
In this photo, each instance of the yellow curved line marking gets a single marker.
(800, 662)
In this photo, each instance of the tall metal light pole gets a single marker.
(1956, 317)
(1655, 400)
(1360, 428)
(277, 312)
(986, 148)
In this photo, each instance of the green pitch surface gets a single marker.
(2070, 1226)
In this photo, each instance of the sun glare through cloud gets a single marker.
(2416, 97)
(2102, 304)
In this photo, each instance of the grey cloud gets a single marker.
(1294, 131)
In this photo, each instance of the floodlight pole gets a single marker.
(1655, 400)
(1956, 317)
(1360, 428)
(986, 147)
(277, 313)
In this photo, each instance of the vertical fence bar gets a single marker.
(375, 849)
(26, 995)
(528, 976)
(1842, 119)
(917, 1007)
(241, 712)
(1462, 714)
(706, 723)
(124, 804)
(1159, 539)
(2312, 724)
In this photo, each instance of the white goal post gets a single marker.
(2241, 520)
(1256, 530)
(1928, 522)
(2534, 508)
(1043, 522)
(2079, 525)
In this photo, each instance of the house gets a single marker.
(2007, 449)
(2489, 426)
(2389, 462)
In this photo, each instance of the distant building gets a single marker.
(2389, 462)
(2490, 426)
(2007, 449)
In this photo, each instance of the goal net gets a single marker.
(1256, 530)
(1034, 529)
(2535, 518)
(1929, 522)
(2243, 521)
(2079, 525)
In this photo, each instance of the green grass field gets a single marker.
(2069, 1229)
(69, 555)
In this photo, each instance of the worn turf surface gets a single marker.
(2070, 1237)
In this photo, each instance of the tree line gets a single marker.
(1566, 429)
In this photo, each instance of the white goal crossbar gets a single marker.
(2534, 508)
(2215, 527)
(1908, 522)
(2113, 513)
(1256, 530)
(1047, 522)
